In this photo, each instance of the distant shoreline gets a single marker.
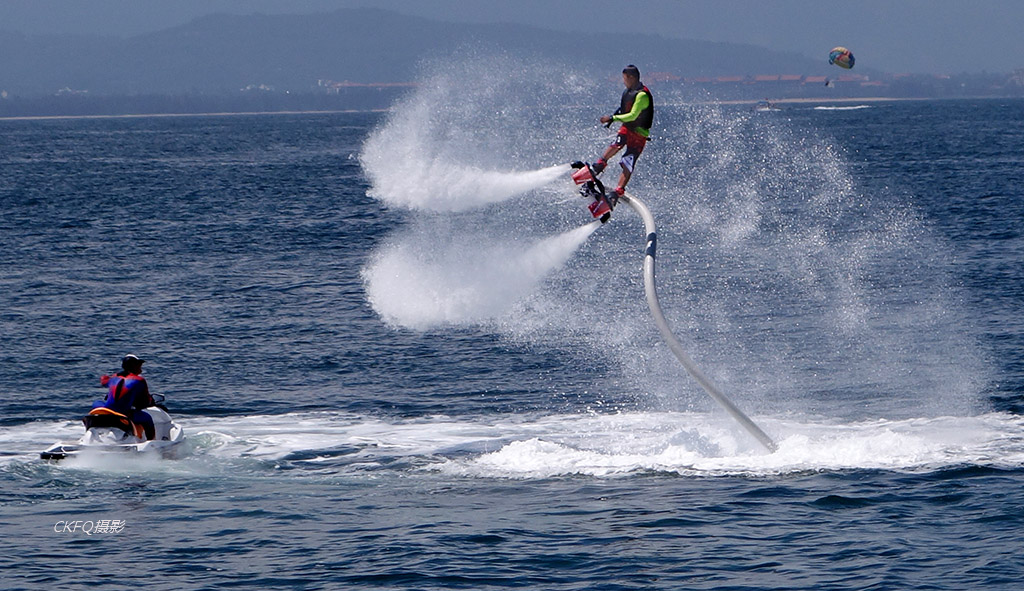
(869, 99)
(801, 100)
(217, 114)
(864, 99)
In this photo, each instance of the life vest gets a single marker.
(125, 393)
(646, 117)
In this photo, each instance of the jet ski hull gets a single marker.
(103, 440)
(64, 450)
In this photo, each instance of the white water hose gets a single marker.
(671, 340)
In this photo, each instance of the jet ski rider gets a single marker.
(128, 394)
(636, 113)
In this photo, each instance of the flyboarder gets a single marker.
(636, 114)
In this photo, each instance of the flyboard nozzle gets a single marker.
(583, 175)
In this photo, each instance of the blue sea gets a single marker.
(404, 358)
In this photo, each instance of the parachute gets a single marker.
(841, 57)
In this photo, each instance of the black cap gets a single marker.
(131, 360)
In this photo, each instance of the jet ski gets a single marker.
(107, 431)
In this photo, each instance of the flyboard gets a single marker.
(591, 188)
(601, 207)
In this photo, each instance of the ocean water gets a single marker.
(405, 359)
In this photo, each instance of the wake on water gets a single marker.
(548, 446)
(841, 108)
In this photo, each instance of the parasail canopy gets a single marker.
(841, 57)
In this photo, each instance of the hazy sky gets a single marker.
(936, 36)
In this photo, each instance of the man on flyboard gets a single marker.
(636, 114)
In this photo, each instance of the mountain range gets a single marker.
(290, 53)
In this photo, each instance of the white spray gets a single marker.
(420, 284)
(435, 154)
(449, 148)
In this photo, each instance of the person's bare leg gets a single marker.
(609, 152)
(624, 178)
